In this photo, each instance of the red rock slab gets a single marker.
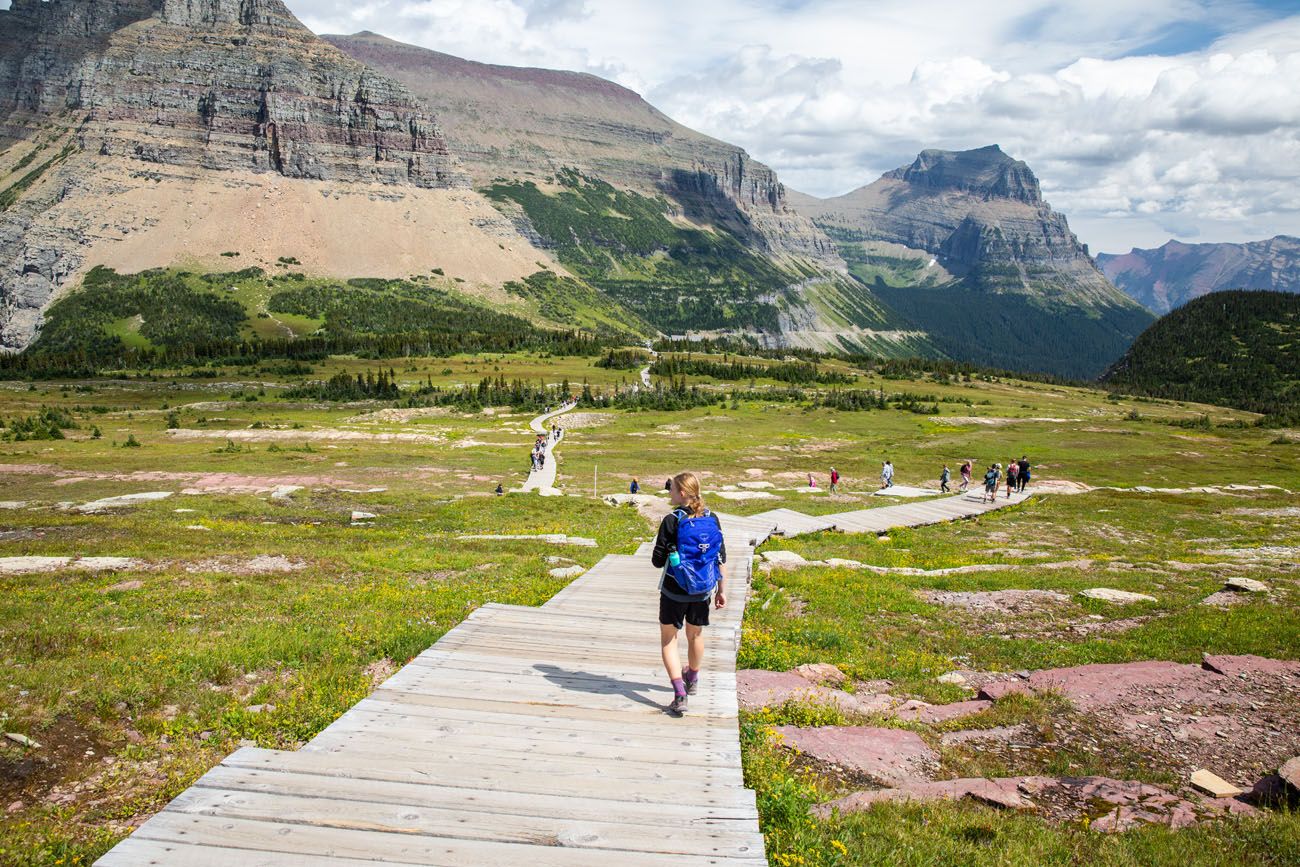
(1249, 664)
(1002, 689)
(1290, 772)
(1005, 792)
(757, 689)
(919, 711)
(1100, 685)
(887, 756)
(821, 672)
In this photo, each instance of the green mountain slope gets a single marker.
(963, 245)
(1238, 349)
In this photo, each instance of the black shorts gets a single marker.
(673, 613)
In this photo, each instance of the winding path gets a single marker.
(543, 481)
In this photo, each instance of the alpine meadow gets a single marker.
(363, 397)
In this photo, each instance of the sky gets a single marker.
(1144, 120)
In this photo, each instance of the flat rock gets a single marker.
(1214, 785)
(1002, 689)
(1103, 684)
(1248, 664)
(567, 571)
(19, 565)
(123, 500)
(105, 564)
(995, 600)
(757, 689)
(755, 486)
(1003, 792)
(1290, 772)
(631, 499)
(1224, 598)
(1003, 734)
(919, 711)
(842, 563)
(363, 516)
(13, 504)
(785, 559)
(743, 495)
(1120, 597)
(1245, 585)
(887, 756)
(952, 677)
(821, 672)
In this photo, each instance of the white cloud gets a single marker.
(833, 92)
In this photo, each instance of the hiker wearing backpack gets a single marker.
(944, 478)
(835, 480)
(690, 550)
(991, 482)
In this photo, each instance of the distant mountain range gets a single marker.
(146, 134)
(1171, 275)
(963, 245)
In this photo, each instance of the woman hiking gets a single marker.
(690, 550)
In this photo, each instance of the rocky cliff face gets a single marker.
(1010, 265)
(981, 213)
(1170, 276)
(508, 122)
(206, 85)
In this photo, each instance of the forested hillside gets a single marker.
(1239, 349)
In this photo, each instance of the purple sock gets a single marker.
(690, 675)
(679, 686)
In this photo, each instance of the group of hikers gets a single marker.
(1016, 475)
(539, 446)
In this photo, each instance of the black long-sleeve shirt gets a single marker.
(666, 542)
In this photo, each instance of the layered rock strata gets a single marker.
(91, 88)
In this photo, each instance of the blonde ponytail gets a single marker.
(689, 486)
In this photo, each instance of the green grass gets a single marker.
(160, 678)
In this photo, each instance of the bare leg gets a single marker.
(694, 646)
(668, 647)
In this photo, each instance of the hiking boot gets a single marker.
(692, 685)
(678, 707)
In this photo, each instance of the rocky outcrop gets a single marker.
(965, 237)
(1171, 275)
(981, 214)
(508, 122)
(205, 85)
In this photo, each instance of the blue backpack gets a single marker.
(699, 543)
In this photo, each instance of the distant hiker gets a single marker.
(1023, 479)
(668, 485)
(835, 480)
(635, 487)
(812, 483)
(500, 490)
(886, 475)
(1013, 474)
(991, 482)
(965, 476)
(690, 550)
(944, 478)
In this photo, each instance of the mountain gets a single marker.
(688, 232)
(1235, 348)
(1171, 275)
(963, 245)
(137, 134)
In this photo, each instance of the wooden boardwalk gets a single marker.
(524, 736)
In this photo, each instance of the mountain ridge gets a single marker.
(1174, 273)
(963, 245)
